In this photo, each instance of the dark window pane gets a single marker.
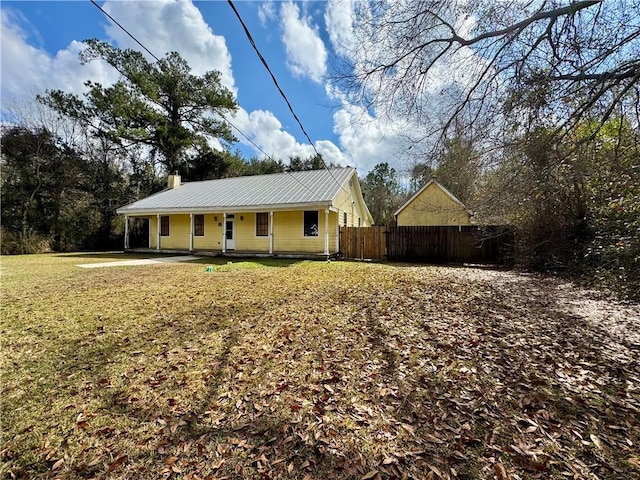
(262, 224)
(311, 223)
(229, 229)
(198, 225)
(164, 226)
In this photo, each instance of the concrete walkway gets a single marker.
(141, 261)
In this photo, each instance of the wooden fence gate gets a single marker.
(363, 242)
(450, 244)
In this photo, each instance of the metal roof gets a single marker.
(276, 190)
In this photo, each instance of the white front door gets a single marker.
(230, 234)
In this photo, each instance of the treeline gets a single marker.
(61, 197)
(574, 204)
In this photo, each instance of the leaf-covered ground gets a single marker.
(312, 370)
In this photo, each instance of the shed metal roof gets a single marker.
(276, 190)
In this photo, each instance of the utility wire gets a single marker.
(268, 156)
(124, 30)
(224, 118)
(275, 81)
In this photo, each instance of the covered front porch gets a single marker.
(275, 233)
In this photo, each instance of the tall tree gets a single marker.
(382, 193)
(312, 162)
(42, 188)
(419, 174)
(161, 105)
(458, 167)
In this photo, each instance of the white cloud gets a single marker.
(266, 130)
(338, 18)
(306, 53)
(172, 25)
(27, 70)
(266, 12)
(384, 132)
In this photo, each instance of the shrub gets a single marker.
(15, 243)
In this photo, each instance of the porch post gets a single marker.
(326, 231)
(271, 232)
(338, 231)
(191, 232)
(224, 232)
(158, 232)
(126, 232)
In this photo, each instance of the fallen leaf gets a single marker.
(117, 462)
(370, 475)
(635, 462)
(500, 471)
(433, 439)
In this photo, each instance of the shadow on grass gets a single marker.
(517, 353)
(206, 260)
(479, 266)
(247, 261)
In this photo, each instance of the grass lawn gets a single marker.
(311, 370)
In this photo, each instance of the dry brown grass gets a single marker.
(281, 369)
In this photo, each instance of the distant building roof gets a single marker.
(278, 190)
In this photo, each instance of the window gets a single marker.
(164, 226)
(344, 218)
(198, 225)
(359, 222)
(311, 223)
(262, 224)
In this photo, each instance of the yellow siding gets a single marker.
(212, 239)
(288, 234)
(349, 203)
(153, 232)
(178, 239)
(246, 234)
(433, 207)
(179, 232)
(334, 232)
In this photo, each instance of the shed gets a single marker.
(433, 205)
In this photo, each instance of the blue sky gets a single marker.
(302, 41)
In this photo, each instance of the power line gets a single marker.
(275, 81)
(124, 30)
(224, 118)
(268, 156)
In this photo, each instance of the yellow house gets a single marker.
(433, 205)
(292, 213)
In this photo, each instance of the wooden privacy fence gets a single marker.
(454, 244)
(363, 242)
